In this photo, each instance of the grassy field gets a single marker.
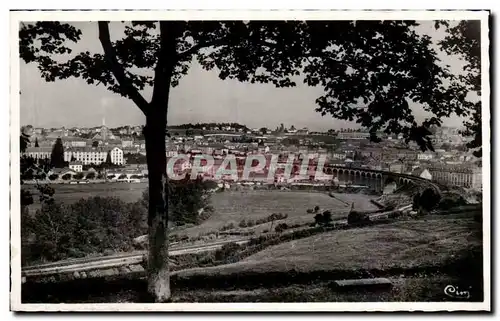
(231, 206)
(66, 193)
(404, 244)
(234, 206)
(420, 257)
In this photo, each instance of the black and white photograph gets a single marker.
(243, 161)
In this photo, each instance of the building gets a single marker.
(78, 143)
(396, 167)
(96, 156)
(353, 135)
(425, 156)
(86, 155)
(422, 172)
(117, 156)
(338, 155)
(171, 152)
(303, 131)
(38, 152)
(468, 176)
(76, 166)
(127, 143)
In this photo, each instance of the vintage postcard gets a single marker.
(250, 161)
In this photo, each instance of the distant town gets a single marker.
(119, 154)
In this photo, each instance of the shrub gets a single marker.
(309, 211)
(78, 176)
(327, 217)
(395, 214)
(357, 218)
(450, 201)
(324, 218)
(53, 177)
(226, 227)
(427, 200)
(316, 209)
(260, 221)
(243, 223)
(271, 218)
(90, 175)
(228, 249)
(66, 177)
(281, 227)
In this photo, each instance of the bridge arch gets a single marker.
(390, 180)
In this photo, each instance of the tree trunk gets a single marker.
(158, 272)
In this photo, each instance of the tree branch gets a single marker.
(117, 70)
(214, 43)
(201, 45)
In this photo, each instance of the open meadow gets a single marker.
(69, 193)
(231, 206)
(421, 257)
(403, 244)
(235, 206)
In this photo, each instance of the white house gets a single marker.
(117, 156)
(76, 166)
(89, 155)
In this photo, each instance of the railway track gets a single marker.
(113, 261)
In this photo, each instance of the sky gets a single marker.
(200, 97)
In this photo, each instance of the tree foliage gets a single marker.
(370, 71)
(78, 176)
(464, 39)
(57, 155)
(95, 225)
(30, 170)
(324, 218)
(188, 202)
(426, 200)
(66, 176)
(108, 159)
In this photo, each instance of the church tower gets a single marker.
(104, 130)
